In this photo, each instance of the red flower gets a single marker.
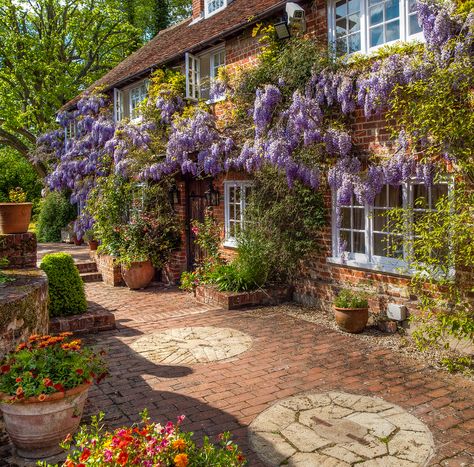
(47, 382)
(5, 368)
(122, 458)
(18, 380)
(21, 347)
(240, 458)
(59, 387)
(86, 453)
(79, 371)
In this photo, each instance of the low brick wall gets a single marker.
(19, 249)
(233, 300)
(90, 322)
(108, 267)
(23, 307)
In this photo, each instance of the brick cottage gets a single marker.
(220, 33)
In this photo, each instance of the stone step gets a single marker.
(91, 276)
(86, 266)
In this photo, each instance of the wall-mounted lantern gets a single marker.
(282, 30)
(175, 195)
(212, 195)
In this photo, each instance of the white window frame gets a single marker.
(118, 105)
(242, 184)
(368, 260)
(70, 131)
(193, 76)
(212, 71)
(142, 87)
(207, 13)
(365, 28)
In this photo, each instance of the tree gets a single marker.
(49, 51)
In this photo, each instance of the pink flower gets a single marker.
(108, 455)
(181, 418)
(194, 230)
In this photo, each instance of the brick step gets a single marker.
(91, 277)
(87, 266)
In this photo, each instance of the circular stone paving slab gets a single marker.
(192, 345)
(339, 429)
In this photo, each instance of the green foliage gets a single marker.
(66, 289)
(441, 270)
(286, 221)
(350, 299)
(55, 214)
(46, 365)
(134, 222)
(17, 172)
(17, 195)
(3, 277)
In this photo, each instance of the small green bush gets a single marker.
(349, 299)
(55, 214)
(66, 289)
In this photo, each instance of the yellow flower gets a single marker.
(181, 460)
(179, 444)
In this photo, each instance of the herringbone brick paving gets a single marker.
(288, 356)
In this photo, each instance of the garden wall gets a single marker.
(19, 249)
(110, 270)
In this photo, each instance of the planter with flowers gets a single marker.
(43, 387)
(149, 444)
(351, 310)
(15, 216)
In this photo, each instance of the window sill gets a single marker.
(229, 243)
(394, 270)
(215, 101)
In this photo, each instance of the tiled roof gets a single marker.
(184, 37)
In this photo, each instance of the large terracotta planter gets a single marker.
(36, 428)
(15, 217)
(138, 275)
(351, 320)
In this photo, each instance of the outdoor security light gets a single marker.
(212, 195)
(282, 30)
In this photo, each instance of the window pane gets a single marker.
(376, 15)
(374, 2)
(395, 196)
(354, 43)
(354, 6)
(393, 31)
(412, 6)
(376, 36)
(437, 191)
(231, 194)
(392, 10)
(381, 198)
(346, 218)
(380, 244)
(420, 196)
(345, 242)
(359, 242)
(341, 27)
(341, 9)
(413, 26)
(231, 232)
(237, 194)
(353, 23)
(380, 220)
(359, 219)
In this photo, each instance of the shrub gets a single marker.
(55, 214)
(349, 299)
(66, 289)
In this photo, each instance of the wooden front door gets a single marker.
(196, 209)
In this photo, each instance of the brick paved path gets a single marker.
(288, 356)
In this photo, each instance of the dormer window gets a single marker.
(213, 6)
(127, 101)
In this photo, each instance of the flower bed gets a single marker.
(234, 300)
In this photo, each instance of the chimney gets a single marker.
(198, 9)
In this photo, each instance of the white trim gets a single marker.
(365, 28)
(232, 241)
(207, 14)
(193, 76)
(118, 105)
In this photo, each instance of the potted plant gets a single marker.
(43, 387)
(91, 240)
(351, 310)
(15, 215)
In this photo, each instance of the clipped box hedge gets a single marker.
(66, 289)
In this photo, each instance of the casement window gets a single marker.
(128, 100)
(70, 132)
(213, 6)
(137, 95)
(236, 194)
(201, 70)
(362, 236)
(364, 25)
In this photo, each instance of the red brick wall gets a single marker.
(198, 8)
(19, 250)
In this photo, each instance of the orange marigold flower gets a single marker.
(19, 391)
(18, 380)
(240, 458)
(68, 438)
(42, 397)
(66, 334)
(21, 347)
(69, 463)
(86, 453)
(179, 444)
(181, 460)
(34, 337)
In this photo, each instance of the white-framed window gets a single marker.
(213, 6)
(137, 95)
(118, 105)
(236, 193)
(70, 132)
(362, 236)
(364, 25)
(201, 70)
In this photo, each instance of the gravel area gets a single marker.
(400, 341)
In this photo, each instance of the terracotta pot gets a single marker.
(138, 275)
(93, 245)
(351, 320)
(36, 428)
(15, 217)
(77, 242)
